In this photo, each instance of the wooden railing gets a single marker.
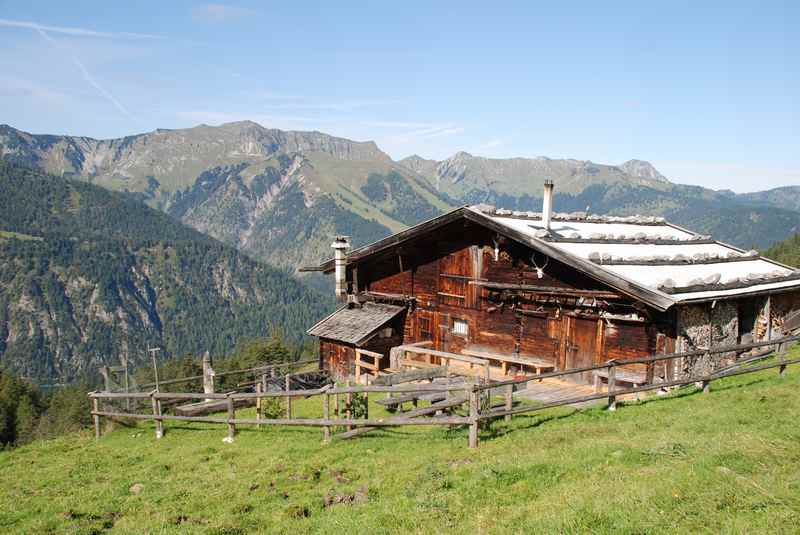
(367, 360)
(736, 368)
(326, 422)
(470, 394)
(257, 370)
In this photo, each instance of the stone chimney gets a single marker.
(547, 204)
(340, 246)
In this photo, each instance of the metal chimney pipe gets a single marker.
(340, 246)
(547, 204)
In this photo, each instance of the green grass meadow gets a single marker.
(723, 462)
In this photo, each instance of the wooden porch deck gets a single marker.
(548, 390)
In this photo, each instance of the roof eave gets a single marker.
(391, 240)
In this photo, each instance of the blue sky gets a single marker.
(707, 91)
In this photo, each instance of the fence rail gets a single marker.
(256, 370)
(471, 394)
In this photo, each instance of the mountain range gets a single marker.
(280, 196)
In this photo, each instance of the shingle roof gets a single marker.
(355, 325)
(654, 253)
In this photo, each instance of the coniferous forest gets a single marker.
(89, 277)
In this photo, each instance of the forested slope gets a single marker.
(89, 276)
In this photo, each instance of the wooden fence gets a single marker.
(472, 394)
(258, 370)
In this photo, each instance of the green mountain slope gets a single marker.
(89, 276)
(281, 196)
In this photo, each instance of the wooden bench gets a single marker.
(396, 402)
(540, 365)
(622, 375)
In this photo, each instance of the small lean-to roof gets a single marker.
(354, 324)
(647, 258)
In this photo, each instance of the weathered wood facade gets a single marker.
(470, 287)
(449, 276)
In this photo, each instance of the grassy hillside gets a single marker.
(727, 462)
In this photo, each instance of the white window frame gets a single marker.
(460, 327)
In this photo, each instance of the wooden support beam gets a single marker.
(546, 290)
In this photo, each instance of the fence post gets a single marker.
(231, 417)
(612, 387)
(473, 415)
(288, 399)
(348, 405)
(781, 358)
(96, 417)
(488, 379)
(326, 413)
(509, 401)
(259, 404)
(157, 415)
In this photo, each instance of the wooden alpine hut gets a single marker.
(530, 292)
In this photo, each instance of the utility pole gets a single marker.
(153, 351)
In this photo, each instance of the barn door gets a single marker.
(581, 350)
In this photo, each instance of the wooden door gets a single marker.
(454, 275)
(581, 348)
(426, 327)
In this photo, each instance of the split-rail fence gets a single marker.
(474, 394)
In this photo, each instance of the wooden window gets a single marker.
(386, 333)
(425, 329)
(460, 327)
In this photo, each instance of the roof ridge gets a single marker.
(581, 216)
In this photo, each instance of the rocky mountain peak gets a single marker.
(642, 169)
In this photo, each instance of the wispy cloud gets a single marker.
(15, 88)
(395, 124)
(86, 75)
(278, 101)
(266, 120)
(78, 32)
(488, 146)
(426, 131)
(217, 13)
